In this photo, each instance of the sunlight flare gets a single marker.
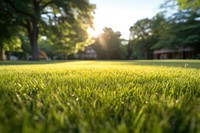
(94, 32)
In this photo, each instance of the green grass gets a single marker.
(98, 96)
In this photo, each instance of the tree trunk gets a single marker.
(65, 57)
(145, 54)
(34, 31)
(33, 37)
(1, 53)
(8, 55)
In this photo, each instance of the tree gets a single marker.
(8, 31)
(141, 39)
(109, 45)
(4, 37)
(69, 39)
(162, 30)
(180, 30)
(189, 4)
(33, 15)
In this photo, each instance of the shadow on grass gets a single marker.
(29, 62)
(170, 63)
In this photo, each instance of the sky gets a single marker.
(120, 15)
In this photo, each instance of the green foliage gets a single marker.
(13, 44)
(68, 39)
(142, 39)
(8, 32)
(188, 4)
(69, 33)
(48, 47)
(109, 45)
(39, 17)
(100, 97)
(179, 30)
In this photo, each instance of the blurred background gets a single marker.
(99, 29)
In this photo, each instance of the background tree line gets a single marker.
(59, 27)
(179, 30)
(163, 31)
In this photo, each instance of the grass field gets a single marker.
(100, 97)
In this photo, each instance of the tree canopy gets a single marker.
(179, 30)
(8, 31)
(66, 18)
(109, 45)
(187, 4)
(141, 39)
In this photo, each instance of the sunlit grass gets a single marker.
(97, 96)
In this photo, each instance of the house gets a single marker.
(181, 53)
(88, 53)
(42, 56)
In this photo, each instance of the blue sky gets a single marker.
(121, 14)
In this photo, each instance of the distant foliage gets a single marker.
(179, 30)
(141, 39)
(189, 4)
(109, 45)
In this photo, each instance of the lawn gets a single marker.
(100, 96)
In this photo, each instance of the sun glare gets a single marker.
(93, 32)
